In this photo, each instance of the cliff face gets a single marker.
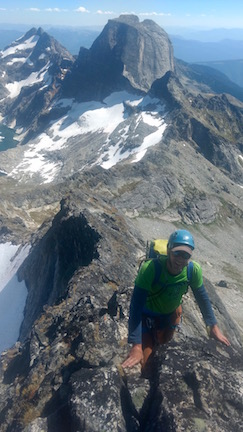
(68, 245)
(144, 49)
(127, 54)
(66, 375)
(80, 326)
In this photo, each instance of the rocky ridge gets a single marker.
(32, 70)
(88, 230)
(66, 375)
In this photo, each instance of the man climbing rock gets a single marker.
(155, 310)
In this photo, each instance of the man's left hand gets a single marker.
(215, 333)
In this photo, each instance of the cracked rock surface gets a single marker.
(65, 374)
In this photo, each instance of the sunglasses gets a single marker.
(181, 254)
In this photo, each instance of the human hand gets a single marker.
(135, 356)
(215, 333)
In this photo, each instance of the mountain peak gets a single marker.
(127, 54)
(34, 66)
(40, 31)
(143, 49)
(127, 19)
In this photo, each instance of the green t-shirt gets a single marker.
(166, 295)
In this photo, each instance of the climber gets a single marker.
(155, 309)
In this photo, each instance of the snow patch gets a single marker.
(13, 293)
(34, 78)
(16, 60)
(91, 117)
(116, 154)
(82, 118)
(26, 45)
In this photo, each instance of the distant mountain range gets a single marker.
(190, 46)
(46, 92)
(195, 51)
(232, 68)
(221, 49)
(70, 37)
(225, 55)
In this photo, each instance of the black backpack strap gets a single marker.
(157, 273)
(158, 270)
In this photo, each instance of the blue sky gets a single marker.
(178, 13)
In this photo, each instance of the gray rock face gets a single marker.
(66, 374)
(194, 387)
(64, 335)
(154, 51)
(202, 209)
(61, 251)
(211, 123)
(33, 69)
(127, 54)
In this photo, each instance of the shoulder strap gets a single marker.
(189, 271)
(158, 270)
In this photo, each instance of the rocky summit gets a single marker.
(99, 154)
(110, 63)
(32, 69)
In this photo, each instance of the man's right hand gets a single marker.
(135, 356)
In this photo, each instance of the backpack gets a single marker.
(156, 248)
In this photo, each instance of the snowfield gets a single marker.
(103, 118)
(117, 126)
(34, 78)
(12, 293)
(16, 49)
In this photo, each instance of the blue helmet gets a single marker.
(182, 238)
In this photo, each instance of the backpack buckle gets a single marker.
(150, 323)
